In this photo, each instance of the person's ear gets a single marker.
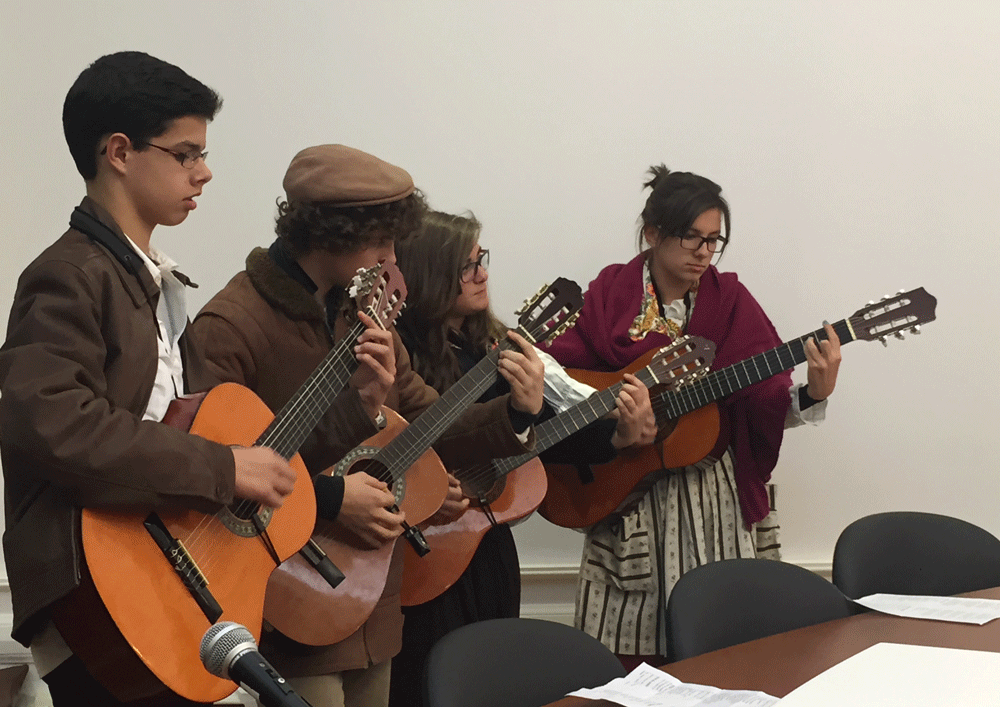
(649, 234)
(115, 152)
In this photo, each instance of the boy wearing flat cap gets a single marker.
(272, 325)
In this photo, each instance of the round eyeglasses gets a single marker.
(467, 273)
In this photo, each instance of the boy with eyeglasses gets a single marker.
(96, 349)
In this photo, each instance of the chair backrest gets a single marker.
(734, 601)
(907, 552)
(514, 663)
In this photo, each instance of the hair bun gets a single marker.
(658, 173)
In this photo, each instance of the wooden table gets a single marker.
(779, 664)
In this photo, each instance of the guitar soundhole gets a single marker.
(243, 510)
(666, 428)
(238, 517)
(363, 459)
(485, 488)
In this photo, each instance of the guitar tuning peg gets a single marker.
(883, 340)
(870, 303)
(899, 335)
(884, 298)
(900, 292)
(915, 329)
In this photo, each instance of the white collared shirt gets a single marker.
(171, 318)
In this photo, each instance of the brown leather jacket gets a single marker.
(267, 332)
(76, 373)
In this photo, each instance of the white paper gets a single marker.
(649, 687)
(894, 675)
(959, 609)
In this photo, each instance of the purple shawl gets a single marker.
(724, 312)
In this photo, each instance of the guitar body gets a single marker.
(301, 604)
(454, 544)
(151, 608)
(571, 503)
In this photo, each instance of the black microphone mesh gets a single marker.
(219, 641)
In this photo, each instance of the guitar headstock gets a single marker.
(380, 292)
(551, 311)
(684, 361)
(892, 316)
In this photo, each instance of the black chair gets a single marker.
(514, 663)
(734, 601)
(914, 553)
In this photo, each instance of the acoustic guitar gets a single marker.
(156, 581)
(689, 419)
(509, 489)
(313, 612)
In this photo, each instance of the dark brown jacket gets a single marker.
(267, 332)
(76, 373)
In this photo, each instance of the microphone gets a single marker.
(229, 651)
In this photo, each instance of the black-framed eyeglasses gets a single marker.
(716, 244)
(468, 272)
(187, 159)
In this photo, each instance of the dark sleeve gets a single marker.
(54, 406)
(329, 495)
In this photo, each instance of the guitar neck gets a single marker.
(718, 384)
(572, 420)
(410, 444)
(293, 423)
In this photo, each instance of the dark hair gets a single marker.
(677, 200)
(430, 260)
(131, 93)
(307, 226)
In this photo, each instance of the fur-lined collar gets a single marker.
(279, 289)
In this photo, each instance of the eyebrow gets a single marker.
(188, 146)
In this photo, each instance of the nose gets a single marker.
(482, 274)
(201, 173)
(388, 255)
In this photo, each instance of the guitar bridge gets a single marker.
(185, 567)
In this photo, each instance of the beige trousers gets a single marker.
(366, 687)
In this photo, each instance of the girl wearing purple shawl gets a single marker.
(716, 509)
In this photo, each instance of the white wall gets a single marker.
(856, 142)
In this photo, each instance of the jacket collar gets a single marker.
(281, 290)
(148, 285)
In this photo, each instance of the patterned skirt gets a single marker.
(631, 562)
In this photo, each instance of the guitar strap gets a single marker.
(100, 233)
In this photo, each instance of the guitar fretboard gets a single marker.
(569, 421)
(410, 444)
(297, 418)
(726, 381)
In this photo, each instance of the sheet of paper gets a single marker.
(961, 609)
(649, 687)
(894, 675)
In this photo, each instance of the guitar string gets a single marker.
(319, 384)
(200, 541)
(412, 442)
(571, 420)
